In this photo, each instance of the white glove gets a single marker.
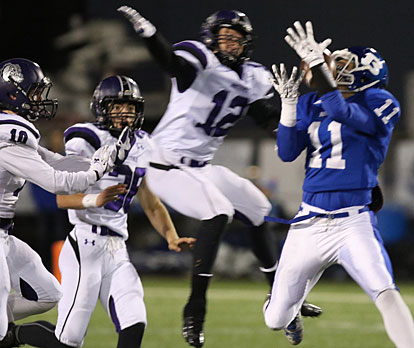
(305, 45)
(122, 147)
(288, 88)
(142, 26)
(100, 162)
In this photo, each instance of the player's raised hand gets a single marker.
(101, 161)
(287, 87)
(180, 244)
(122, 147)
(141, 25)
(111, 193)
(303, 42)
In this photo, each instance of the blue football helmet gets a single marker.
(363, 68)
(115, 90)
(25, 90)
(231, 19)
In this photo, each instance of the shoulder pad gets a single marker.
(193, 51)
(86, 131)
(17, 130)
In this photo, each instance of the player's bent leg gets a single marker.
(37, 334)
(37, 290)
(397, 317)
(375, 276)
(4, 288)
(131, 337)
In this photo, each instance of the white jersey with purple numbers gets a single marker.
(198, 118)
(84, 139)
(14, 131)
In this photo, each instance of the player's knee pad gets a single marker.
(278, 316)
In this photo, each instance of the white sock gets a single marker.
(397, 318)
(18, 307)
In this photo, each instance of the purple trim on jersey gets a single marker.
(84, 133)
(253, 64)
(27, 291)
(141, 134)
(114, 316)
(243, 218)
(21, 124)
(192, 49)
(381, 244)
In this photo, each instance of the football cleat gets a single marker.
(294, 331)
(310, 310)
(193, 331)
(10, 340)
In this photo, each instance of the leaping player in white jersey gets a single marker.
(94, 262)
(214, 84)
(345, 127)
(23, 99)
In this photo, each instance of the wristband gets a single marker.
(89, 201)
(288, 114)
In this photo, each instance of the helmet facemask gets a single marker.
(115, 118)
(39, 105)
(361, 70)
(234, 20)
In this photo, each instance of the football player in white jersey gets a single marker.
(23, 99)
(345, 127)
(94, 262)
(214, 84)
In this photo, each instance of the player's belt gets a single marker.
(104, 231)
(6, 224)
(162, 166)
(184, 160)
(193, 163)
(313, 214)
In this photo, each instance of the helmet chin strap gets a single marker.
(228, 59)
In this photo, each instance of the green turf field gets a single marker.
(235, 318)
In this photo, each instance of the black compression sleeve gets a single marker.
(322, 79)
(163, 53)
(264, 112)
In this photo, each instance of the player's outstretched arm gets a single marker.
(96, 200)
(161, 220)
(160, 49)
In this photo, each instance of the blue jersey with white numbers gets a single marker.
(346, 142)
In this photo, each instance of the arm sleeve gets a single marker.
(290, 142)
(264, 113)
(178, 67)
(353, 115)
(26, 163)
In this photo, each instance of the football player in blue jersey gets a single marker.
(24, 98)
(345, 127)
(214, 84)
